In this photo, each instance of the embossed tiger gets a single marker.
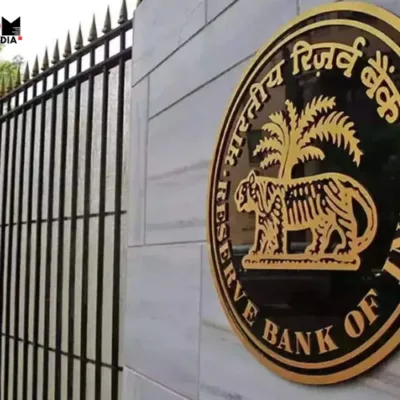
(321, 203)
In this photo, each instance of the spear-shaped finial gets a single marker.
(26, 73)
(9, 83)
(18, 78)
(123, 14)
(35, 70)
(67, 48)
(45, 63)
(79, 39)
(93, 31)
(107, 21)
(56, 54)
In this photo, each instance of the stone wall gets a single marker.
(188, 56)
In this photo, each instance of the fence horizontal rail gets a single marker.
(63, 353)
(65, 219)
(83, 76)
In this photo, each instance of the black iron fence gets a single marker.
(62, 215)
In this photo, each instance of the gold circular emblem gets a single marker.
(304, 197)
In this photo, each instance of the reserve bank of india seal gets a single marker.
(304, 197)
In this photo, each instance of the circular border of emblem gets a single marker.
(238, 327)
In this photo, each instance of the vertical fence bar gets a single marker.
(3, 234)
(10, 247)
(86, 230)
(21, 369)
(10, 252)
(25, 395)
(72, 257)
(1, 262)
(18, 253)
(6, 158)
(38, 258)
(49, 241)
(60, 253)
(101, 237)
(2, 133)
(117, 223)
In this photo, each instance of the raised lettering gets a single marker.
(325, 342)
(392, 269)
(221, 212)
(284, 343)
(369, 306)
(222, 232)
(239, 292)
(303, 342)
(230, 274)
(234, 149)
(250, 313)
(270, 332)
(225, 252)
(354, 324)
(222, 190)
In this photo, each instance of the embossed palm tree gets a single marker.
(290, 137)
